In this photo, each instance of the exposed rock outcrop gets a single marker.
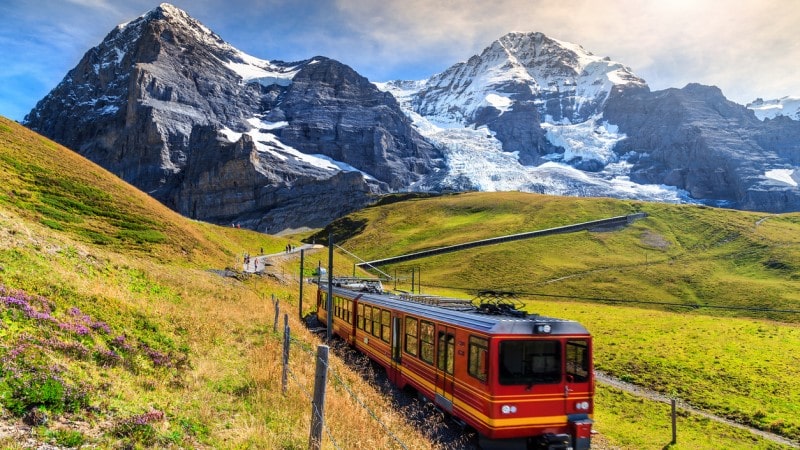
(221, 136)
(225, 137)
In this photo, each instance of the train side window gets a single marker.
(426, 341)
(578, 361)
(447, 349)
(376, 322)
(368, 319)
(323, 301)
(348, 310)
(386, 325)
(411, 342)
(478, 351)
(360, 317)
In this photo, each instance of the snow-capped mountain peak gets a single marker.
(248, 67)
(527, 104)
(177, 18)
(564, 81)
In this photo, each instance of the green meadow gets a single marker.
(119, 328)
(699, 304)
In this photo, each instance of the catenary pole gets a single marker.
(300, 307)
(329, 302)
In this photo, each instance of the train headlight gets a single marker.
(508, 409)
(584, 406)
(540, 328)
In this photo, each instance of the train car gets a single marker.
(520, 380)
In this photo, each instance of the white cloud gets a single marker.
(743, 46)
(746, 47)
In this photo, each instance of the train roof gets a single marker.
(531, 324)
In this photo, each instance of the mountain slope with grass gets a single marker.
(682, 254)
(119, 330)
(700, 304)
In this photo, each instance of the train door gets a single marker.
(445, 365)
(394, 369)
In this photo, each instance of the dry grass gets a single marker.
(160, 291)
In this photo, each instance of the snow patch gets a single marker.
(770, 109)
(252, 69)
(499, 102)
(268, 143)
(586, 141)
(782, 175)
(230, 135)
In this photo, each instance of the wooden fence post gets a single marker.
(674, 424)
(302, 262)
(286, 343)
(318, 404)
(277, 311)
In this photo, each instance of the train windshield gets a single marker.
(530, 362)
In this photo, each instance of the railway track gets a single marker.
(602, 224)
(659, 397)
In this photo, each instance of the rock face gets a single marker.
(578, 124)
(224, 137)
(697, 140)
(519, 82)
(221, 136)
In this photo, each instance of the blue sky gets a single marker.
(749, 48)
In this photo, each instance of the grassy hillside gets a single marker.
(117, 331)
(721, 351)
(116, 327)
(681, 254)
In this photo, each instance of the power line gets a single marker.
(650, 302)
(631, 301)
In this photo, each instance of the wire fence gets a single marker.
(317, 395)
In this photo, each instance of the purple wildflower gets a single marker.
(101, 326)
(159, 359)
(121, 343)
(107, 358)
(80, 330)
(74, 349)
(153, 415)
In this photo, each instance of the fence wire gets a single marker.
(310, 398)
(301, 345)
(371, 413)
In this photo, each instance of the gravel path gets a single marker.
(659, 397)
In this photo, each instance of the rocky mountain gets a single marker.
(519, 82)
(536, 114)
(222, 136)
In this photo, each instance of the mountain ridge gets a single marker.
(226, 137)
(172, 95)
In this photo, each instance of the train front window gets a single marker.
(530, 362)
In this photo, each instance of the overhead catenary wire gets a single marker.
(523, 293)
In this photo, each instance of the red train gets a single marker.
(520, 380)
